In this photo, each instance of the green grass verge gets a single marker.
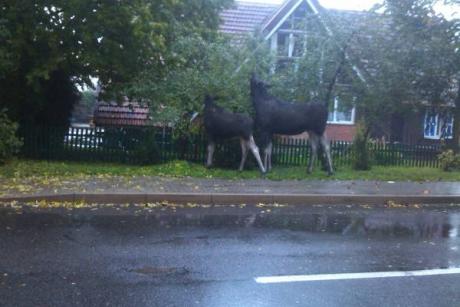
(69, 170)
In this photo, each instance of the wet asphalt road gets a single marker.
(210, 257)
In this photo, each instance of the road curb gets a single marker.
(237, 198)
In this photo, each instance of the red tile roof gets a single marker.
(127, 115)
(246, 17)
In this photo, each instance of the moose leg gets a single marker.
(327, 151)
(265, 139)
(211, 147)
(255, 151)
(244, 153)
(314, 150)
(266, 159)
(268, 156)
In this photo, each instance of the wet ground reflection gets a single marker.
(426, 225)
(374, 222)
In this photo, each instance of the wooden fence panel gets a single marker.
(140, 145)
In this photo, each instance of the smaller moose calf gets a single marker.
(222, 124)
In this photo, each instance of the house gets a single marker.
(279, 26)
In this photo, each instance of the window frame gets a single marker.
(438, 126)
(335, 112)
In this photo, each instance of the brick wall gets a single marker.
(340, 132)
(334, 132)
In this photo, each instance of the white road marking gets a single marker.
(344, 276)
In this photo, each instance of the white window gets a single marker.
(340, 114)
(436, 126)
(284, 44)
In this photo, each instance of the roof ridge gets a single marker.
(363, 12)
(254, 3)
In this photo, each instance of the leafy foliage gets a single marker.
(9, 142)
(212, 66)
(221, 67)
(411, 60)
(112, 40)
(361, 155)
(449, 160)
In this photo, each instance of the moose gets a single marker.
(275, 116)
(222, 124)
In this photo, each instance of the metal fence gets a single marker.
(146, 145)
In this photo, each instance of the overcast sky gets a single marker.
(367, 4)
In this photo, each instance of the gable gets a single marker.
(289, 12)
(246, 18)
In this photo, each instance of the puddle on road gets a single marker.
(338, 220)
(426, 225)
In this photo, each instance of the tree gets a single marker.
(218, 65)
(412, 60)
(455, 29)
(53, 41)
(212, 64)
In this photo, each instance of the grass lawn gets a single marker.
(18, 169)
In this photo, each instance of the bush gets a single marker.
(449, 160)
(361, 159)
(145, 146)
(131, 143)
(9, 142)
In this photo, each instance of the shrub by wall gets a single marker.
(9, 142)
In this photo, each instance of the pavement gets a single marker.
(145, 189)
(216, 256)
(144, 184)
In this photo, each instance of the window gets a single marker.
(340, 114)
(287, 44)
(289, 39)
(437, 126)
